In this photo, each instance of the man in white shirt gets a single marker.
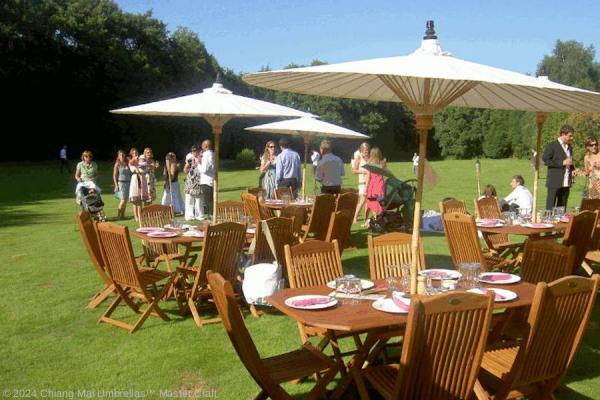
(64, 160)
(329, 170)
(520, 197)
(207, 176)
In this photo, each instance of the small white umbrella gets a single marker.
(307, 127)
(217, 106)
(427, 81)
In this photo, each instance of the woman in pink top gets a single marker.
(375, 183)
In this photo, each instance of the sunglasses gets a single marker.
(271, 147)
(593, 145)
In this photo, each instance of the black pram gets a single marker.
(91, 201)
(398, 206)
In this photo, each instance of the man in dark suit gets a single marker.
(558, 157)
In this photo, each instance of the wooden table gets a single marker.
(360, 316)
(278, 206)
(523, 230)
(185, 241)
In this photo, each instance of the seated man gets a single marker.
(519, 199)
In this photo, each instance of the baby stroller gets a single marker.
(90, 200)
(398, 205)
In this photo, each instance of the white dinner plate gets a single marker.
(388, 305)
(502, 295)
(149, 229)
(162, 234)
(251, 230)
(489, 224)
(537, 225)
(364, 283)
(489, 221)
(498, 278)
(330, 302)
(194, 233)
(441, 273)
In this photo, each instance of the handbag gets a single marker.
(192, 183)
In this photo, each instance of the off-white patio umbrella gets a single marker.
(308, 128)
(427, 81)
(217, 106)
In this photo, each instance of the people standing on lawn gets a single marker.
(207, 176)
(375, 184)
(172, 194)
(330, 170)
(86, 173)
(64, 160)
(520, 199)
(415, 163)
(121, 180)
(192, 184)
(558, 157)
(315, 156)
(138, 188)
(268, 162)
(287, 167)
(148, 165)
(591, 165)
(360, 159)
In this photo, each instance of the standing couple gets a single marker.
(200, 170)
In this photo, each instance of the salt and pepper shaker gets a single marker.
(421, 288)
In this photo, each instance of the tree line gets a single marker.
(65, 63)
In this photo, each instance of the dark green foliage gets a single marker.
(246, 159)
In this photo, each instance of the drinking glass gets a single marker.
(463, 282)
(475, 269)
(354, 287)
(507, 217)
(309, 199)
(405, 268)
(557, 213)
(285, 198)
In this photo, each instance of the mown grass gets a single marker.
(49, 341)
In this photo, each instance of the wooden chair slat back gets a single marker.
(559, 314)
(590, 204)
(579, 233)
(392, 249)
(339, 227)
(463, 242)
(443, 346)
(299, 215)
(546, 261)
(448, 206)
(231, 211)
(252, 207)
(233, 321)
(117, 254)
(91, 243)
(282, 233)
(313, 263)
(279, 192)
(262, 250)
(347, 201)
(156, 215)
(320, 215)
(223, 244)
(488, 207)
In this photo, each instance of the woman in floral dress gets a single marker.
(591, 162)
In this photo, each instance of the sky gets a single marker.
(247, 35)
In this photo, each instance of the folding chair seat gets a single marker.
(130, 281)
(269, 372)
(497, 243)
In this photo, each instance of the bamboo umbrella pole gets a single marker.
(216, 124)
(306, 142)
(539, 120)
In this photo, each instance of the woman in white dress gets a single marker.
(361, 157)
(172, 194)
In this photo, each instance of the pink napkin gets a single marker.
(535, 225)
(498, 296)
(438, 274)
(494, 278)
(488, 225)
(311, 301)
(400, 304)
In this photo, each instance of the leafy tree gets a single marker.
(572, 64)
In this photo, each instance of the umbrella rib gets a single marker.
(568, 98)
(499, 88)
(398, 90)
(483, 97)
(459, 89)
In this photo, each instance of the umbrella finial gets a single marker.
(430, 32)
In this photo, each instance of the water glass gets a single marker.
(557, 213)
(309, 199)
(405, 268)
(470, 275)
(508, 217)
(285, 198)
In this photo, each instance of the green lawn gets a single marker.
(49, 343)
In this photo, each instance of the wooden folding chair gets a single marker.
(340, 224)
(546, 261)
(348, 190)
(156, 215)
(497, 243)
(392, 249)
(230, 211)
(90, 240)
(443, 346)
(280, 192)
(223, 245)
(559, 315)
(347, 201)
(254, 209)
(589, 205)
(255, 191)
(579, 232)
(269, 372)
(130, 282)
(320, 215)
(448, 206)
(463, 242)
(299, 215)
(593, 254)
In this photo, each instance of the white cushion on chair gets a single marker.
(261, 281)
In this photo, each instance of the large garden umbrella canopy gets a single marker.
(308, 127)
(427, 81)
(217, 106)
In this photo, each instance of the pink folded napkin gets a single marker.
(536, 225)
(400, 304)
(498, 296)
(311, 301)
(438, 274)
(494, 278)
(488, 225)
